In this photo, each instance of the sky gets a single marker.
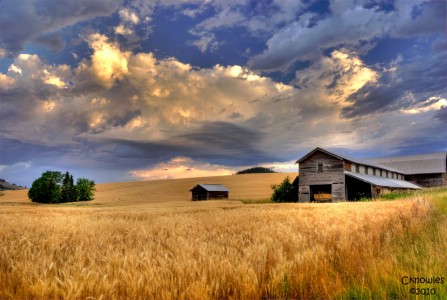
(148, 89)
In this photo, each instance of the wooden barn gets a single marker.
(427, 170)
(209, 192)
(329, 176)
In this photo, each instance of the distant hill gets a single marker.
(4, 185)
(172, 192)
(256, 170)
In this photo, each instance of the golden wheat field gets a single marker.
(147, 240)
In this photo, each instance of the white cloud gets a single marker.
(207, 42)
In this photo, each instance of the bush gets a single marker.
(285, 192)
(53, 187)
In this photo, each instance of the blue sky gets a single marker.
(133, 90)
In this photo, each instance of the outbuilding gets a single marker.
(329, 176)
(209, 192)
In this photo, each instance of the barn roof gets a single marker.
(385, 182)
(417, 164)
(212, 187)
(351, 159)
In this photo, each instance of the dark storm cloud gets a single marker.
(52, 41)
(427, 18)
(28, 20)
(223, 138)
(422, 77)
(13, 151)
(216, 142)
(348, 26)
(441, 115)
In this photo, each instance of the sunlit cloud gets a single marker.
(6, 81)
(54, 80)
(181, 167)
(431, 104)
(108, 62)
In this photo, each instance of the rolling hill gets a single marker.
(242, 187)
(4, 185)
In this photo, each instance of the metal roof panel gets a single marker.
(386, 182)
(214, 187)
(416, 164)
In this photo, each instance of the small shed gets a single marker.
(209, 192)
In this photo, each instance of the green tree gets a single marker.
(285, 192)
(68, 189)
(86, 189)
(55, 187)
(47, 188)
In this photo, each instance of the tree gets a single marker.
(85, 188)
(256, 170)
(285, 192)
(47, 188)
(68, 189)
(54, 187)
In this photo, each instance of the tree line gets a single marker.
(55, 187)
(256, 170)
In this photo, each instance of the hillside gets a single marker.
(4, 185)
(242, 187)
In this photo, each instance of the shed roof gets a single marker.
(385, 182)
(212, 187)
(351, 159)
(416, 164)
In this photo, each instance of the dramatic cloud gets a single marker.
(402, 87)
(350, 25)
(193, 87)
(30, 20)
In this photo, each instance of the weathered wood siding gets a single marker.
(332, 174)
(348, 166)
(427, 180)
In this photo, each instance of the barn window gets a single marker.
(320, 166)
(362, 170)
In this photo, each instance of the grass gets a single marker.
(221, 249)
(396, 195)
(256, 201)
